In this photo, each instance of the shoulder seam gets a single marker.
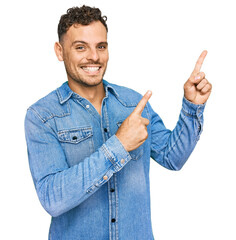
(45, 119)
(37, 114)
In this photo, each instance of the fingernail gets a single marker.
(149, 92)
(197, 77)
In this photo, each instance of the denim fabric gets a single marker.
(91, 186)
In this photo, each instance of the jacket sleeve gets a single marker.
(171, 149)
(60, 187)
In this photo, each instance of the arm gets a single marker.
(171, 149)
(60, 187)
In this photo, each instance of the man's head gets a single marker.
(83, 45)
(83, 15)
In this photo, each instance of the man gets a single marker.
(90, 141)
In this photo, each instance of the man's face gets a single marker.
(85, 53)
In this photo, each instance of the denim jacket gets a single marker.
(91, 186)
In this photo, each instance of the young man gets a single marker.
(90, 141)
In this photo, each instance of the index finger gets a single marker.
(199, 62)
(141, 105)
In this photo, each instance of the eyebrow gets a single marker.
(83, 42)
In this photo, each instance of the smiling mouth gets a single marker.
(91, 69)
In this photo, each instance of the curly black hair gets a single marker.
(79, 15)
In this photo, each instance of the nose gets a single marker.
(93, 55)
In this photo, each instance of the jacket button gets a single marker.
(105, 130)
(74, 138)
(105, 177)
(113, 220)
(122, 161)
(112, 190)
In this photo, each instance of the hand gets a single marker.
(197, 89)
(133, 131)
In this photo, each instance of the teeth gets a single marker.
(91, 69)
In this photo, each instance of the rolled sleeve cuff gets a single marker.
(192, 109)
(116, 153)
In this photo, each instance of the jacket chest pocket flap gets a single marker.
(137, 153)
(75, 136)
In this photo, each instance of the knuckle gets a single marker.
(145, 121)
(202, 74)
(203, 90)
(146, 135)
(208, 87)
(198, 87)
(186, 85)
(139, 121)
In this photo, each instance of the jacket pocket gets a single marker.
(137, 153)
(75, 136)
(77, 144)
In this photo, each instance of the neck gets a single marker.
(93, 94)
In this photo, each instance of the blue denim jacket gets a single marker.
(91, 186)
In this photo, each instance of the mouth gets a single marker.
(91, 69)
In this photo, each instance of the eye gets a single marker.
(80, 48)
(102, 47)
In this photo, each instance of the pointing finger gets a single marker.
(199, 63)
(141, 105)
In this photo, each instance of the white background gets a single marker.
(153, 45)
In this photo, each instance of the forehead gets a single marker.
(92, 33)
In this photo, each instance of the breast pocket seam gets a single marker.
(75, 135)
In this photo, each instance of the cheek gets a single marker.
(74, 58)
(105, 57)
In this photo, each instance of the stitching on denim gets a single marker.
(61, 100)
(126, 105)
(45, 119)
(60, 116)
(107, 154)
(117, 200)
(108, 85)
(59, 95)
(75, 129)
(107, 120)
(93, 113)
(109, 200)
(36, 113)
(98, 180)
(188, 114)
(42, 120)
(75, 142)
(101, 123)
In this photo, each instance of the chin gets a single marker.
(91, 82)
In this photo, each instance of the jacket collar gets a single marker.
(64, 92)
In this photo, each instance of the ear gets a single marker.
(59, 51)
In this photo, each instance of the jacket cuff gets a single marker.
(116, 153)
(192, 109)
